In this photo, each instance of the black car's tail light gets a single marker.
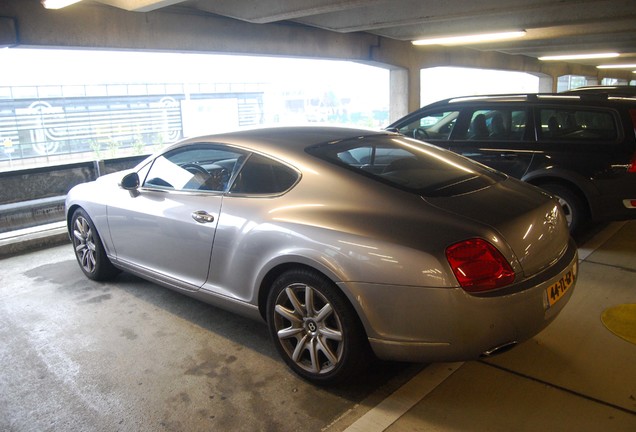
(479, 266)
(632, 164)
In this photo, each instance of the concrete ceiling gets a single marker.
(554, 27)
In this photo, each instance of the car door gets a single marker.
(167, 228)
(244, 234)
(499, 136)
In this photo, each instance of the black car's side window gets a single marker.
(263, 176)
(201, 168)
(431, 126)
(496, 124)
(576, 124)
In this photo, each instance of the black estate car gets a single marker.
(580, 148)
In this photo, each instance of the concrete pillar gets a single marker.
(414, 90)
(547, 84)
(8, 32)
(398, 94)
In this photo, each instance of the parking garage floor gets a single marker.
(132, 356)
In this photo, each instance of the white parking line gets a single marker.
(599, 239)
(403, 399)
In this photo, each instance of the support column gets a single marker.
(8, 32)
(415, 89)
(398, 94)
(547, 84)
(404, 92)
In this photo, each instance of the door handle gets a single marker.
(202, 216)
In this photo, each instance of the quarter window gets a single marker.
(263, 176)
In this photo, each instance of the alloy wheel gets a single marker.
(84, 244)
(308, 328)
(567, 210)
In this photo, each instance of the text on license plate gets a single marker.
(560, 287)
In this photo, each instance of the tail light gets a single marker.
(479, 266)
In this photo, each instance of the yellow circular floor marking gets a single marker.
(621, 320)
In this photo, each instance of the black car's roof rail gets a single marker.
(486, 97)
(529, 97)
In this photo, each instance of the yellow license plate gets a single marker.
(560, 287)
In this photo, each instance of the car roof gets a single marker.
(618, 90)
(530, 97)
(553, 98)
(583, 99)
(284, 140)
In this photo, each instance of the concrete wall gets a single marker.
(36, 196)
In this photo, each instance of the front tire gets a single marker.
(314, 328)
(89, 249)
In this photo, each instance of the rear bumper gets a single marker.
(447, 324)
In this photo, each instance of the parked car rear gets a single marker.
(581, 148)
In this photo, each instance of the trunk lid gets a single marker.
(529, 220)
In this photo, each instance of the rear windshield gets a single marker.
(408, 165)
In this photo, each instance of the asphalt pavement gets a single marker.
(129, 355)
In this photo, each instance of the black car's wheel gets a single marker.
(314, 327)
(570, 202)
(89, 249)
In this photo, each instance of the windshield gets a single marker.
(408, 164)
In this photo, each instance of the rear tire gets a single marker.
(89, 249)
(572, 205)
(315, 329)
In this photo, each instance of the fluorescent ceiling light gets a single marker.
(58, 4)
(617, 66)
(579, 56)
(470, 39)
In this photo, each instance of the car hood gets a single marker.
(529, 220)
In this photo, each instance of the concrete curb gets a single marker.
(28, 239)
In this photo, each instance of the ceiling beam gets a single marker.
(140, 5)
(262, 12)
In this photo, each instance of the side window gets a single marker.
(263, 176)
(431, 126)
(496, 124)
(518, 122)
(203, 167)
(577, 125)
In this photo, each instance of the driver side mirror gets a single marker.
(130, 182)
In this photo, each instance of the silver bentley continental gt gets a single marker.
(347, 242)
